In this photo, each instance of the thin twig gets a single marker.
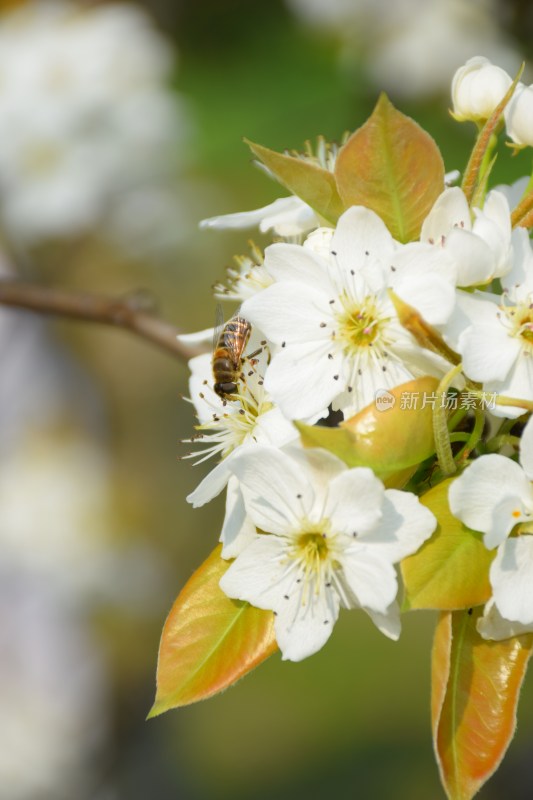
(121, 312)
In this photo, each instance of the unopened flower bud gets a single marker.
(519, 116)
(477, 88)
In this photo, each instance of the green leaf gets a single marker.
(451, 570)
(393, 167)
(313, 184)
(389, 440)
(475, 690)
(209, 641)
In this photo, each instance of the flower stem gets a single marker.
(497, 443)
(440, 425)
(473, 439)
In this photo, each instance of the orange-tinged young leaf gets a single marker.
(389, 440)
(209, 641)
(475, 690)
(425, 334)
(313, 184)
(451, 569)
(392, 166)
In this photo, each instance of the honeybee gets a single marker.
(229, 343)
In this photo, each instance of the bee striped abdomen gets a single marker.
(227, 356)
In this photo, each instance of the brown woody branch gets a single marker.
(125, 312)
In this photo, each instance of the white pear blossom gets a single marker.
(519, 116)
(329, 538)
(481, 248)
(477, 88)
(225, 428)
(247, 277)
(494, 334)
(494, 495)
(336, 335)
(86, 117)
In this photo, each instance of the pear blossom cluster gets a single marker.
(305, 533)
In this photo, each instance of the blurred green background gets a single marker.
(353, 720)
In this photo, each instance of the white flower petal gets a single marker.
(488, 352)
(212, 484)
(302, 631)
(276, 493)
(371, 578)
(372, 379)
(519, 280)
(473, 256)
(291, 221)
(238, 529)
(301, 379)
(433, 296)
(273, 428)
(319, 242)
(488, 495)
(449, 210)
(514, 192)
(318, 467)
(493, 626)
(518, 384)
(404, 527)
(388, 623)
(511, 576)
(257, 574)
(354, 501)
(290, 312)
(199, 337)
(286, 212)
(417, 361)
(291, 262)
(425, 277)
(477, 307)
(362, 241)
(493, 226)
(206, 402)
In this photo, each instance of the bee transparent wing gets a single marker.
(219, 325)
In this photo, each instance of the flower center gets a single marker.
(235, 422)
(312, 548)
(520, 321)
(360, 325)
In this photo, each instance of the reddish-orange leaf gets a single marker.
(475, 690)
(209, 641)
(392, 166)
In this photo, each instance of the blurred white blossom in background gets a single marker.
(411, 47)
(63, 559)
(53, 693)
(88, 121)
